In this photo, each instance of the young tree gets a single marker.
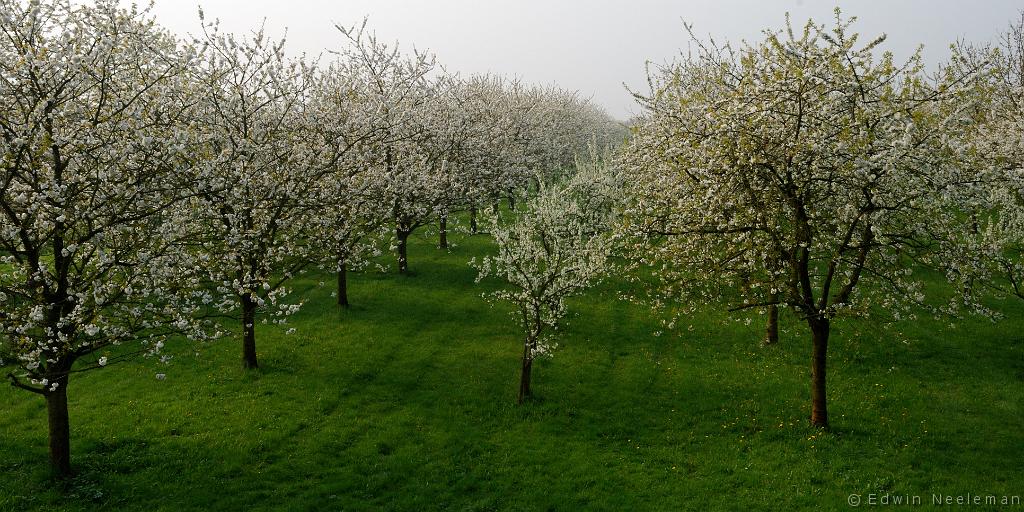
(90, 110)
(556, 248)
(801, 171)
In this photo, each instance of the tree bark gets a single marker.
(59, 427)
(524, 375)
(771, 331)
(443, 236)
(249, 332)
(403, 255)
(343, 285)
(819, 339)
(472, 220)
(512, 203)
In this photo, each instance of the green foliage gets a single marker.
(406, 402)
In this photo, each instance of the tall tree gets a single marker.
(255, 166)
(396, 92)
(801, 171)
(348, 203)
(90, 146)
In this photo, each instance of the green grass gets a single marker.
(407, 402)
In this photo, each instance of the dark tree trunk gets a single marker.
(403, 254)
(819, 339)
(524, 376)
(249, 332)
(60, 427)
(472, 220)
(343, 285)
(443, 236)
(771, 331)
(512, 203)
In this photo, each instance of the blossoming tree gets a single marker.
(396, 93)
(991, 255)
(348, 208)
(255, 168)
(556, 248)
(801, 171)
(90, 108)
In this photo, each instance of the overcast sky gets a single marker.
(590, 46)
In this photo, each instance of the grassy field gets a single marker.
(406, 402)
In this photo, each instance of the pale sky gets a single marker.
(590, 46)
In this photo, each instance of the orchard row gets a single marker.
(159, 189)
(153, 186)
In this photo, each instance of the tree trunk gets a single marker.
(771, 331)
(512, 203)
(819, 339)
(60, 428)
(524, 376)
(403, 255)
(472, 220)
(343, 285)
(443, 236)
(249, 332)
